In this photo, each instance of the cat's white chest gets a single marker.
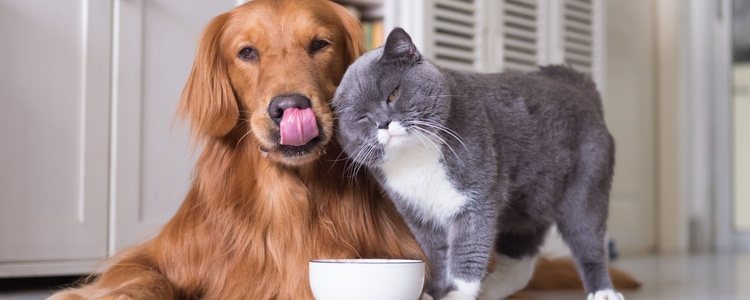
(415, 172)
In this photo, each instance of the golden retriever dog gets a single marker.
(260, 209)
(270, 189)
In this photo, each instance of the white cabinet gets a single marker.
(92, 159)
(54, 94)
(152, 160)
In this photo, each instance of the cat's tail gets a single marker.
(568, 75)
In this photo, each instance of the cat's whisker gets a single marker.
(346, 109)
(441, 127)
(365, 157)
(451, 133)
(356, 157)
(375, 151)
(354, 166)
(373, 148)
(425, 134)
(423, 131)
(444, 143)
(337, 159)
(421, 138)
(367, 154)
(410, 115)
(350, 164)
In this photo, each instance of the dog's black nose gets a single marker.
(282, 102)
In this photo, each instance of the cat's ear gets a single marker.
(399, 48)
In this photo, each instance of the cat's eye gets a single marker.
(394, 95)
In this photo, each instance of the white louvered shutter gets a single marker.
(505, 35)
(519, 34)
(576, 37)
(454, 41)
(578, 34)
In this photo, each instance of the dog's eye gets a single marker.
(248, 53)
(394, 95)
(318, 45)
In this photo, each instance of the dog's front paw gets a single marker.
(66, 295)
(606, 295)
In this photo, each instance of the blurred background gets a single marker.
(92, 159)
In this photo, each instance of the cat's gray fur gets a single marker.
(527, 150)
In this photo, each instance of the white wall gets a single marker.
(742, 146)
(629, 104)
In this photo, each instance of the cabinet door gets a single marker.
(54, 115)
(155, 43)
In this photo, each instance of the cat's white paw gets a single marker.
(457, 295)
(606, 295)
(510, 276)
(465, 290)
(426, 296)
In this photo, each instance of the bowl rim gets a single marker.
(367, 261)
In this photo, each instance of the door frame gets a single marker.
(706, 161)
(727, 237)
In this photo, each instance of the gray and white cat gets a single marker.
(483, 163)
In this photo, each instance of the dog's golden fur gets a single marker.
(255, 215)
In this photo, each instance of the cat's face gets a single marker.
(390, 99)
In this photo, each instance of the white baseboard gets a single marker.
(47, 268)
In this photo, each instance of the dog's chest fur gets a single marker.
(416, 174)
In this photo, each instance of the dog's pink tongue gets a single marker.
(298, 126)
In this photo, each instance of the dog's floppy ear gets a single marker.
(208, 99)
(353, 30)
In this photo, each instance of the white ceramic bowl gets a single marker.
(366, 279)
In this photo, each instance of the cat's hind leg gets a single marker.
(515, 262)
(582, 214)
